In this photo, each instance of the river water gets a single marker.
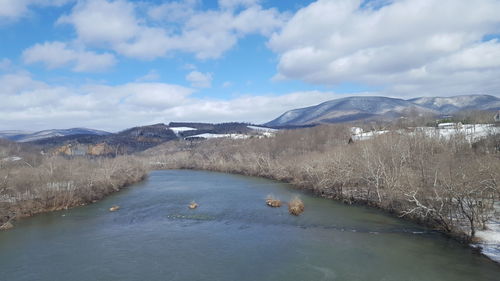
(232, 235)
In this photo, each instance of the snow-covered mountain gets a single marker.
(21, 136)
(448, 105)
(369, 107)
(350, 109)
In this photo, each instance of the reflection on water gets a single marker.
(232, 235)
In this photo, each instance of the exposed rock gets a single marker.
(99, 149)
(7, 225)
(63, 150)
(114, 208)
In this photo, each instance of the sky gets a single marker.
(115, 64)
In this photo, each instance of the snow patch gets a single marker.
(12, 159)
(490, 238)
(181, 129)
(178, 130)
(471, 132)
(262, 129)
(214, 136)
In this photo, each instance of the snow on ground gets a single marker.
(213, 136)
(181, 129)
(178, 130)
(472, 132)
(367, 135)
(262, 129)
(12, 159)
(490, 238)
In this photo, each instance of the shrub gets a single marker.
(296, 206)
(273, 202)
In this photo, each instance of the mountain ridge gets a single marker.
(358, 108)
(25, 136)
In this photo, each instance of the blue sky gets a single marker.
(246, 68)
(113, 64)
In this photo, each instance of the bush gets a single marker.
(295, 206)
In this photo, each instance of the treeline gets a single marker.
(448, 184)
(36, 183)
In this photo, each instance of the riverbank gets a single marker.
(445, 184)
(487, 241)
(160, 238)
(57, 183)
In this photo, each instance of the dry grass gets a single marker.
(7, 225)
(296, 206)
(273, 202)
(57, 183)
(193, 205)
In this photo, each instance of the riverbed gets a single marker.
(232, 235)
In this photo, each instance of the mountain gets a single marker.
(20, 136)
(138, 138)
(381, 108)
(127, 141)
(349, 109)
(447, 105)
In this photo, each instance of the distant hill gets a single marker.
(381, 108)
(127, 141)
(447, 105)
(20, 136)
(349, 109)
(138, 138)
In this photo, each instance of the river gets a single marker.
(232, 235)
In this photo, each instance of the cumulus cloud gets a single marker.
(88, 18)
(199, 79)
(13, 9)
(410, 47)
(30, 104)
(59, 54)
(169, 27)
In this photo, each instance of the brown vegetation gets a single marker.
(296, 206)
(193, 205)
(6, 226)
(448, 184)
(114, 208)
(273, 202)
(40, 183)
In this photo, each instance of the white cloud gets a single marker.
(13, 9)
(175, 26)
(59, 54)
(174, 11)
(101, 21)
(199, 79)
(250, 108)
(34, 105)
(410, 47)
